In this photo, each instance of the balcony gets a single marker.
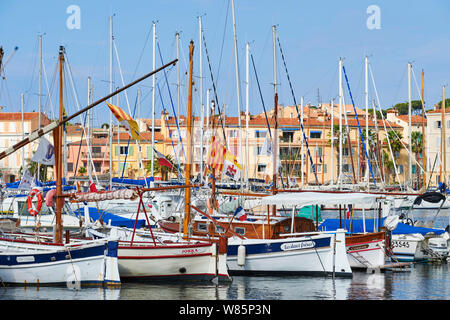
(95, 155)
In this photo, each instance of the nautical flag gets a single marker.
(231, 168)
(240, 214)
(45, 153)
(267, 148)
(162, 160)
(216, 154)
(130, 125)
(27, 181)
(349, 210)
(92, 187)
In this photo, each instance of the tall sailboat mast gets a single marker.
(247, 103)
(111, 100)
(153, 100)
(202, 108)
(366, 94)
(424, 163)
(187, 194)
(238, 91)
(341, 96)
(409, 128)
(57, 137)
(275, 135)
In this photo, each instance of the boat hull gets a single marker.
(302, 255)
(28, 263)
(366, 251)
(171, 262)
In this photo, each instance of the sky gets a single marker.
(313, 36)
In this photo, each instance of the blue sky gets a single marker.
(313, 35)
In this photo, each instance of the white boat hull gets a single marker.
(28, 263)
(367, 255)
(308, 254)
(196, 262)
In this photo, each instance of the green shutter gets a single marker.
(116, 150)
(130, 150)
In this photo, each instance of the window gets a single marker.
(318, 151)
(96, 149)
(396, 154)
(261, 167)
(70, 166)
(401, 169)
(345, 152)
(413, 169)
(232, 133)
(287, 137)
(220, 229)
(437, 124)
(315, 134)
(123, 150)
(260, 134)
(240, 230)
(202, 227)
(346, 167)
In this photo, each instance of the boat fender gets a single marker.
(391, 222)
(212, 204)
(31, 208)
(241, 255)
(49, 197)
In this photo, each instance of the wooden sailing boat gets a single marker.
(151, 256)
(30, 259)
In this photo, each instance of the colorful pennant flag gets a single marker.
(231, 168)
(124, 119)
(216, 154)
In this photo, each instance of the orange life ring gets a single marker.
(31, 209)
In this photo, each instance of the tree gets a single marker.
(82, 170)
(396, 145)
(162, 170)
(417, 148)
(403, 107)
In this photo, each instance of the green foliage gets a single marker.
(403, 107)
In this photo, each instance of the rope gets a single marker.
(359, 127)
(298, 114)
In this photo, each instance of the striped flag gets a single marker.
(216, 154)
(162, 160)
(130, 125)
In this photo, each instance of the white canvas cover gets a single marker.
(301, 199)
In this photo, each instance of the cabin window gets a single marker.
(220, 229)
(240, 230)
(202, 227)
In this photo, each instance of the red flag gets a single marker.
(92, 187)
(349, 210)
(162, 160)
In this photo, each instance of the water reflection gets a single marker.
(425, 281)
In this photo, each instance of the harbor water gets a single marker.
(423, 281)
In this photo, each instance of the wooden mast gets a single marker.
(57, 139)
(423, 136)
(187, 194)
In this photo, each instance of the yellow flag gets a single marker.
(130, 125)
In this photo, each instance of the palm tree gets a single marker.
(417, 148)
(396, 145)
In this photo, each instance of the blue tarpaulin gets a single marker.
(116, 221)
(402, 228)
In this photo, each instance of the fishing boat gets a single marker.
(33, 259)
(147, 256)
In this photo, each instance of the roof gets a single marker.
(414, 119)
